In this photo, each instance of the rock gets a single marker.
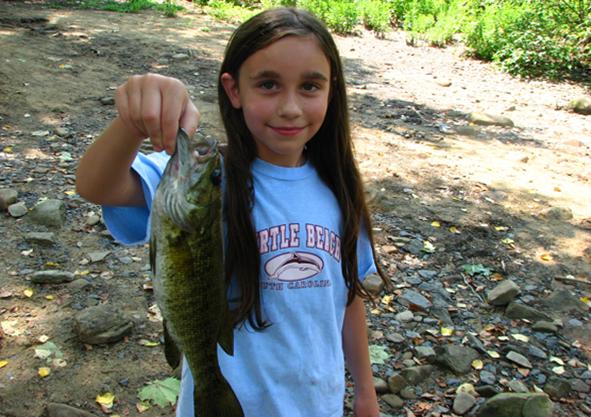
(538, 405)
(520, 311)
(487, 391)
(93, 219)
(107, 101)
(98, 256)
(562, 300)
(415, 301)
(536, 352)
(395, 338)
(517, 386)
(63, 410)
(488, 377)
(519, 359)
(78, 284)
(380, 385)
(404, 316)
(41, 238)
(373, 284)
(503, 293)
(408, 393)
(17, 210)
(396, 382)
(50, 213)
(425, 352)
(557, 387)
(469, 131)
(444, 83)
(456, 358)
(416, 374)
(62, 132)
(393, 400)
(579, 385)
(581, 105)
(544, 327)
(504, 405)
(52, 277)
(562, 214)
(180, 56)
(463, 403)
(101, 324)
(7, 198)
(485, 119)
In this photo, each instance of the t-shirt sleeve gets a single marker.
(130, 225)
(365, 263)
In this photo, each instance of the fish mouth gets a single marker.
(294, 266)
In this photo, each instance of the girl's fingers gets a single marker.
(190, 118)
(151, 110)
(174, 98)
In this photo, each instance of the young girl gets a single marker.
(298, 235)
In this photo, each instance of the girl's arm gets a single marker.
(356, 350)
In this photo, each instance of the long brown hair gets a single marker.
(330, 151)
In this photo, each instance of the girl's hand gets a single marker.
(366, 405)
(155, 106)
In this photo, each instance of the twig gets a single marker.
(572, 279)
(472, 288)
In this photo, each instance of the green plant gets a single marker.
(376, 15)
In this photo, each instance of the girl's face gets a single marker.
(283, 91)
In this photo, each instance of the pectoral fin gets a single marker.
(171, 351)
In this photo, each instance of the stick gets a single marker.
(472, 288)
(572, 279)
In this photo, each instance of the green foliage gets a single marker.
(376, 15)
(168, 7)
(228, 11)
(162, 393)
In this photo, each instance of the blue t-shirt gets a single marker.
(295, 367)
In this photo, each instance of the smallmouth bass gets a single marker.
(186, 256)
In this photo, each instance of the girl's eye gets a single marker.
(309, 87)
(267, 85)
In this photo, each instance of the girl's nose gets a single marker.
(289, 106)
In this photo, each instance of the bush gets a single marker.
(376, 15)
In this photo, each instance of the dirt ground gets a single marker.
(421, 159)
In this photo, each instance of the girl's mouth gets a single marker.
(287, 131)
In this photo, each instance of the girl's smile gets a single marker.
(283, 92)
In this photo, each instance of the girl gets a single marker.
(297, 228)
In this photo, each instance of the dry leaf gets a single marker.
(28, 292)
(493, 354)
(454, 230)
(142, 406)
(477, 364)
(558, 370)
(3, 364)
(49, 297)
(44, 371)
(546, 257)
(520, 337)
(105, 400)
(447, 331)
(148, 343)
(435, 223)
(43, 338)
(556, 360)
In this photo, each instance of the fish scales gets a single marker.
(186, 252)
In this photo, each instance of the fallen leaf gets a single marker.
(447, 331)
(501, 228)
(477, 364)
(558, 370)
(496, 277)
(162, 393)
(28, 292)
(435, 223)
(106, 400)
(52, 264)
(546, 257)
(473, 269)
(3, 364)
(556, 360)
(142, 406)
(44, 371)
(428, 247)
(454, 230)
(43, 338)
(47, 350)
(49, 297)
(520, 337)
(493, 354)
(148, 343)
(378, 354)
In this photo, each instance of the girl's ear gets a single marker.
(231, 87)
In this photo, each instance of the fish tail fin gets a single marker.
(223, 404)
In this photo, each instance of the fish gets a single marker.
(187, 262)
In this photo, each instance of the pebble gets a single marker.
(408, 393)
(17, 210)
(544, 327)
(7, 198)
(404, 316)
(63, 410)
(380, 385)
(557, 387)
(487, 377)
(98, 256)
(396, 382)
(503, 293)
(463, 403)
(107, 101)
(425, 352)
(517, 386)
(519, 359)
(373, 284)
(41, 238)
(396, 338)
(101, 324)
(414, 299)
(50, 213)
(393, 400)
(486, 119)
(536, 352)
(52, 277)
